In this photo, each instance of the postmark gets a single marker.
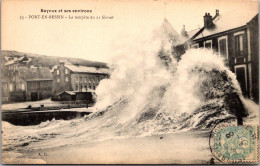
(235, 144)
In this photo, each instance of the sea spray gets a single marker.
(199, 73)
(148, 93)
(193, 97)
(137, 69)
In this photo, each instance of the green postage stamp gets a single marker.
(235, 144)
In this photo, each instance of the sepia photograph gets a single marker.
(130, 82)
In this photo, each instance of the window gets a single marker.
(223, 46)
(33, 85)
(77, 79)
(208, 44)
(67, 79)
(23, 87)
(66, 71)
(241, 74)
(80, 78)
(58, 72)
(11, 88)
(239, 43)
(58, 80)
(195, 45)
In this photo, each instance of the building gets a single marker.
(234, 36)
(72, 96)
(26, 84)
(10, 64)
(68, 77)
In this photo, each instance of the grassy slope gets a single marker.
(52, 60)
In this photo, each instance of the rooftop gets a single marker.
(74, 92)
(190, 34)
(16, 60)
(54, 67)
(228, 21)
(85, 69)
(68, 92)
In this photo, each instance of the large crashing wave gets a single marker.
(159, 94)
(148, 93)
(196, 96)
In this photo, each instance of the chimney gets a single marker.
(62, 63)
(208, 24)
(217, 12)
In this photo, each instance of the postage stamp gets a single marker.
(235, 144)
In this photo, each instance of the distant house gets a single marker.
(66, 96)
(234, 36)
(72, 96)
(27, 84)
(68, 77)
(11, 64)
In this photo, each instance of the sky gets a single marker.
(94, 39)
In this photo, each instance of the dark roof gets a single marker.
(35, 74)
(72, 93)
(191, 35)
(68, 92)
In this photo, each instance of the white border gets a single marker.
(208, 41)
(220, 38)
(244, 66)
(239, 33)
(248, 44)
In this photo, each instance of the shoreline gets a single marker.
(157, 149)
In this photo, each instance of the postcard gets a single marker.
(130, 82)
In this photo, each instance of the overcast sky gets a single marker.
(92, 39)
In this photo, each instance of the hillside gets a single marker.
(51, 60)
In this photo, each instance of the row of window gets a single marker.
(66, 79)
(11, 87)
(39, 84)
(66, 71)
(31, 85)
(89, 80)
(223, 44)
(13, 67)
(84, 88)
